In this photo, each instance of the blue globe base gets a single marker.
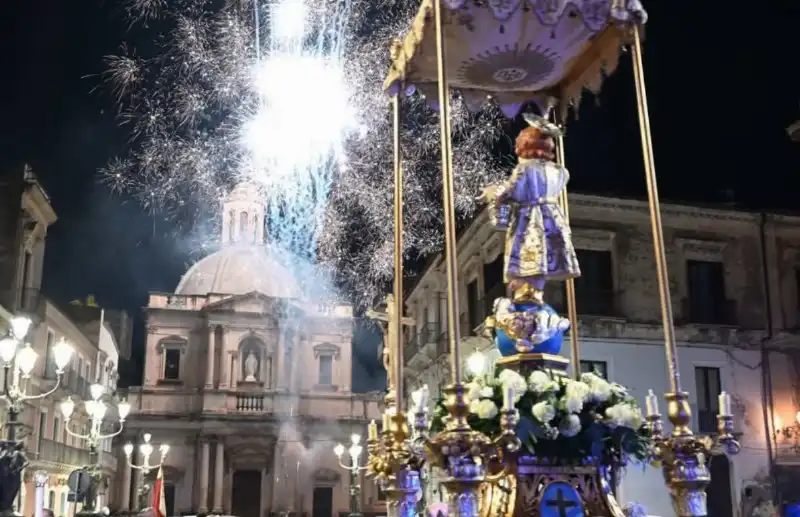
(508, 346)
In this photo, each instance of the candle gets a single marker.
(387, 423)
(652, 403)
(372, 431)
(724, 404)
(508, 398)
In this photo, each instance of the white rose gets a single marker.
(575, 395)
(599, 389)
(516, 381)
(486, 409)
(543, 412)
(540, 382)
(486, 392)
(624, 415)
(570, 425)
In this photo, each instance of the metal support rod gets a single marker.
(655, 216)
(11, 424)
(448, 198)
(397, 322)
(572, 310)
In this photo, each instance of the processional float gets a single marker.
(532, 440)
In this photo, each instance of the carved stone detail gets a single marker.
(172, 342)
(327, 349)
(697, 249)
(592, 239)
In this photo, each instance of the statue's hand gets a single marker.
(489, 194)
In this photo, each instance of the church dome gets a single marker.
(239, 270)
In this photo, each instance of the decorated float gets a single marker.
(533, 437)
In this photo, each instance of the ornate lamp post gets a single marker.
(96, 409)
(145, 449)
(18, 360)
(354, 469)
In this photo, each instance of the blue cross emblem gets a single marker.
(560, 499)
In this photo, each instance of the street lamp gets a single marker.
(96, 409)
(19, 359)
(354, 468)
(146, 449)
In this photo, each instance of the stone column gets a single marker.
(210, 358)
(202, 505)
(218, 472)
(279, 356)
(125, 496)
(224, 357)
(228, 496)
(234, 369)
(266, 493)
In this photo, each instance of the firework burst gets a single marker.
(287, 93)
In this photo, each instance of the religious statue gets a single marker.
(12, 461)
(526, 206)
(538, 245)
(250, 367)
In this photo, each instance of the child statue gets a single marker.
(538, 244)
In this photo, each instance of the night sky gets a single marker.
(722, 83)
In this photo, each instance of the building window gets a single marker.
(708, 389)
(51, 500)
(56, 428)
(594, 289)
(597, 367)
(493, 282)
(475, 312)
(42, 429)
(706, 286)
(172, 364)
(325, 370)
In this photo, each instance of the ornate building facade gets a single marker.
(735, 284)
(248, 383)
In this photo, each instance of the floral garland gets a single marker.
(562, 420)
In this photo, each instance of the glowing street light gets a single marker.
(145, 449)
(354, 468)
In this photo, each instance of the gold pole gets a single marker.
(449, 205)
(572, 310)
(655, 216)
(397, 322)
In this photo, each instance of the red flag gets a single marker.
(158, 503)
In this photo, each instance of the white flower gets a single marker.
(570, 425)
(624, 415)
(540, 382)
(543, 412)
(486, 392)
(599, 389)
(618, 389)
(575, 395)
(484, 409)
(515, 380)
(473, 390)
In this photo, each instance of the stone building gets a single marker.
(25, 215)
(736, 331)
(248, 383)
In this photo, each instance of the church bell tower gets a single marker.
(243, 216)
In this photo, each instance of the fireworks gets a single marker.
(287, 93)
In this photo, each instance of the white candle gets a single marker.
(372, 430)
(652, 403)
(508, 398)
(724, 404)
(386, 421)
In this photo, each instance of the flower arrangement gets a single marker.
(562, 420)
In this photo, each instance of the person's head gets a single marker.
(533, 143)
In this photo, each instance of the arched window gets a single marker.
(231, 222)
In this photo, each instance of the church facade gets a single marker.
(249, 384)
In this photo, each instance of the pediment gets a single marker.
(325, 475)
(252, 303)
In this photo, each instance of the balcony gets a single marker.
(71, 382)
(722, 312)
(274, 403)
(54, 452)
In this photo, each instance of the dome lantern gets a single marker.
(243, 216)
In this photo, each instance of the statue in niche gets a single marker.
(251, 367)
